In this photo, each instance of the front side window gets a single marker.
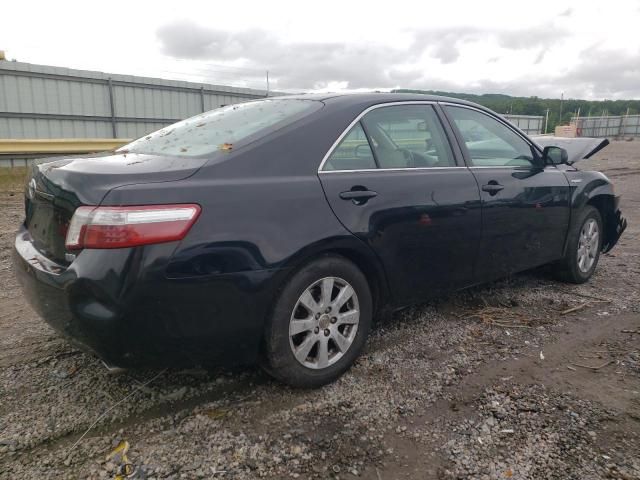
(352, 153)
(408, 136)
(223, 128)
(489, 142)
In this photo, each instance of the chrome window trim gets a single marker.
(392, 169)
(357, 119)
(522, 169)
(510, 167)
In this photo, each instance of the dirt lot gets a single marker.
(493, 382)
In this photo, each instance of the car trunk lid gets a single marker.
(57, 187)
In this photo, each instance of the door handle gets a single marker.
(492, 187)
(358, 197)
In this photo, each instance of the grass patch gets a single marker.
(12, 179)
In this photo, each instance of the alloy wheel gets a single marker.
(324, 322)
(588, 245)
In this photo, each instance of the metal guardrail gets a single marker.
(18, 152)
(62, 145)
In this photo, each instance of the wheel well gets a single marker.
(373, 273)
(604, 205)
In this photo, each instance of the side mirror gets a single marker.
(554, 155)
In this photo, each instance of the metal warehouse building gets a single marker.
(38, 101)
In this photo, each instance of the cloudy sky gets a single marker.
(586, 49)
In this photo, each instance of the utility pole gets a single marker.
(546, 120)
(561, 99)
(623, 124)
(267, 83)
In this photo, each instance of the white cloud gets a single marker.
(491, 46)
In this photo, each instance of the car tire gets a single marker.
(583, 247)
(319, 324)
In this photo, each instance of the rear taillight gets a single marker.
(119, 227)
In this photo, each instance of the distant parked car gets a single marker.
(276, 230)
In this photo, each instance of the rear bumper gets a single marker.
(120, 306)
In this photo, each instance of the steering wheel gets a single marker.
(428, 145)
(408, 155)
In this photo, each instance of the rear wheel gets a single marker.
(583, 247)
(320, 323)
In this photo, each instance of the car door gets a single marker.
(393, 181)
(525, 204)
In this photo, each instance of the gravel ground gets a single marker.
(488, 383)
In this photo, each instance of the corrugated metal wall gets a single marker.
(608, 126)
(39, 101)
(529, 124)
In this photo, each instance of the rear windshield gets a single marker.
(221, 129)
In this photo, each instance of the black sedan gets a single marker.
(277, 230)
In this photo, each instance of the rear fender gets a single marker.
(354, 250)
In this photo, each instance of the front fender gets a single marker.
(586, 186)
(594, 188)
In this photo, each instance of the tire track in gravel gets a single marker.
(235, 389)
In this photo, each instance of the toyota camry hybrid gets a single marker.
(276, 230)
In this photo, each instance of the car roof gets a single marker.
(373, 98)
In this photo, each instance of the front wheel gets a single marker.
(583, 247)
(319, 324)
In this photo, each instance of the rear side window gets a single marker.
(408, 136)
(223, 128)
(352, 153)
(489, 142)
